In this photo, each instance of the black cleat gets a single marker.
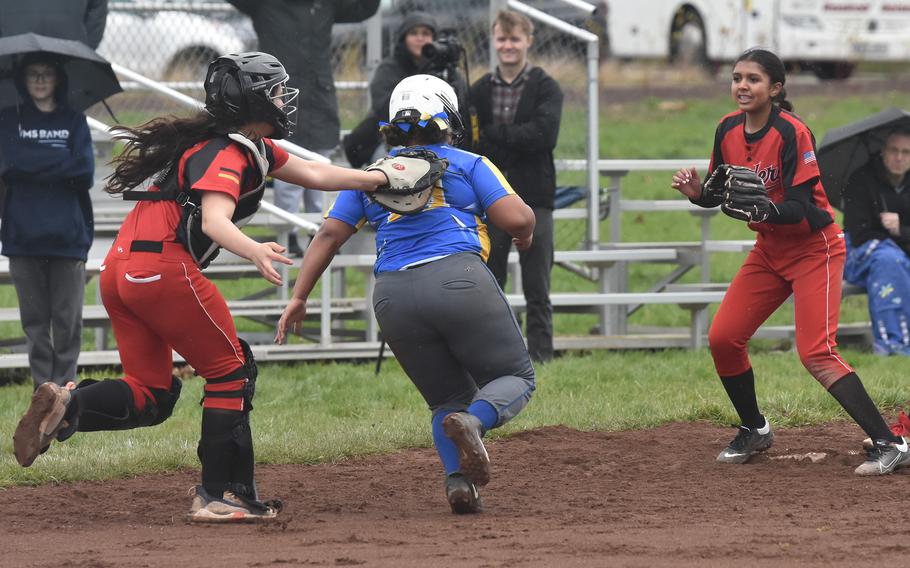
(465, 430)
(884, 457)
(462, 495)
(746, 444)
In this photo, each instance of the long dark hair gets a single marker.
(153, 146)
(775, 69)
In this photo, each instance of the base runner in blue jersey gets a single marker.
(439, 307)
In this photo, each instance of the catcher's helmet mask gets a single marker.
(419, 100)
(248, 87)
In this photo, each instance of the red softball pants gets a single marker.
(161, 301)
(808, 267)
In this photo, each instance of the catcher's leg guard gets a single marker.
(226, 452)
(109, 405)
(226, 445)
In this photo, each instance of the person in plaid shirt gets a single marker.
(519, 108)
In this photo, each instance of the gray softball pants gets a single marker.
(455, 335)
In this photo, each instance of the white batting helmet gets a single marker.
(418, 99)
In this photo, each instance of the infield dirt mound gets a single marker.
(559, 497)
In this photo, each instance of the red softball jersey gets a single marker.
(217, 164)
(782, 154)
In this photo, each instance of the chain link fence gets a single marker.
(173, 40)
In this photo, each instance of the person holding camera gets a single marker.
(519, 108)
(417, 51)
(417, 29)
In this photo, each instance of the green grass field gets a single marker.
(309, 413)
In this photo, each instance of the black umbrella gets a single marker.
(89, 76)
(848, 148)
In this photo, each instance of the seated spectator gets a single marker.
(47, 226)
(877, 222)
(364, 144)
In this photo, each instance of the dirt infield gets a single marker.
(559, 497)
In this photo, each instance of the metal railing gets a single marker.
(592, 70)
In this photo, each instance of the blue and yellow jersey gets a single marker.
(452, 222)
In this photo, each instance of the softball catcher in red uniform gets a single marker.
(799, 251)
(208, 175)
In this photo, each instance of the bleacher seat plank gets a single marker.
(686, 299)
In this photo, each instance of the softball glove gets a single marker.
(713, 188)
(745, 196)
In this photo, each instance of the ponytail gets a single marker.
(781, 100)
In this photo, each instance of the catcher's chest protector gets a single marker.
(189, 232)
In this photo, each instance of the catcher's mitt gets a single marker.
(745, 196)
(412, 175)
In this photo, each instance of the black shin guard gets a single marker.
(226, 452)
(226, 445)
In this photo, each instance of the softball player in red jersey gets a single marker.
(208, 173)
(799, 250)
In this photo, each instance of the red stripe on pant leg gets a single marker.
(226, 387)
(817, 297)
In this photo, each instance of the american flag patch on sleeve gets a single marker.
(809, 157)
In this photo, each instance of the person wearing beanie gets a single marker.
(363, 144)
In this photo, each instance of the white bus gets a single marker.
(830, 36)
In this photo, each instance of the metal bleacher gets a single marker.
(606, 264)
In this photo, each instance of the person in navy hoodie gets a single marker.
(47, 225)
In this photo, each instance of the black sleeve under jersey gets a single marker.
(717, 158)
(795, 205)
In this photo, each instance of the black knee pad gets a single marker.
(165, 400)
(252, 369)
(109, 405)
(226, 452)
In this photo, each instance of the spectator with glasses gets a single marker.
(48, 227)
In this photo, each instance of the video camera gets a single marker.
(442, 58)
(442, 55)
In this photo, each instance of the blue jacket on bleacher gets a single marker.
(48, 168)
